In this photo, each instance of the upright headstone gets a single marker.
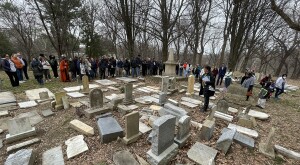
(207, 130)
(85, 84)
(162, 98)
(172, 82)
(128, 94)
(23, 156)
(96, 98)
(267, 148)
(183, 132)
(163, 148)
(66, 103)
(58, 100)
(132, 127)
(222, 106)
(164, 84)
(44, 95)
(191, 82)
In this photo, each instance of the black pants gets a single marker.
(25, 73)
(227, 82)
(102, 73)
(13, 77)
(54, 69)
(206, 102)
(278, 92)
(249, 92)
(220, 78)
(112, 72)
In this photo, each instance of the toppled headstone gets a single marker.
(155, 107)
(75, 146)
(172, 101)
(267, 147)
(163, 148)
(233, 110)
(258, 115)
(124, 157)
(183, 132)
(105, 82)
(225, 140)
(24, 157)
(288, 153)
(133, 107)
(202, 154)
(22, 145)
(47, 113)
(191, 100)
(4, 113)
(188, 104)
(223, 116)
(143, 128)
(141, 160)
(131, 127)
(243, 130)
(44, 95)
(54, 156)
(123, 109)
(170, 109)
(33, 116)
(75, 94)
(82, 127)
(91, 112)
(242, 139)
(27, 104)
(7, 97)
(33, 94)
(19, 128)
(109, 129)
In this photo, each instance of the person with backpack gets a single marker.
(263, 95)
(11, 70)
(207, 87)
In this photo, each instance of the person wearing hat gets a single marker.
(64, 68)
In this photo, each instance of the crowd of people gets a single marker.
(72, 69)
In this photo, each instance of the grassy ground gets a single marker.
(54, 131)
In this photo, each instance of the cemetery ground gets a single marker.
(54, 131)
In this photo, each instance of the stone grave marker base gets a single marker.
(164, 157)
(23, 135)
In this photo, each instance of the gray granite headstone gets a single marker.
(170, 109)
(183, 130)
(18, 125)
(109, 129)
(242, 139)
(165, 84)
(21, 157)
(162, 98)
(123, 158)
(47, 112)
(44, 95)
(225, 140)
(128, 93)
(53, 156)
(222, 106)
(202, 154)
(164, 129)
(172, 82)
(96, 98)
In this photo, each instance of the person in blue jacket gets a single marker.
(222, 72)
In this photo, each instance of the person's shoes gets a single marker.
(202, 109)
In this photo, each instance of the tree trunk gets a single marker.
(281, 64)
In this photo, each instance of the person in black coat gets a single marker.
(144, 68)
(103, 64)
(127, 67)
(133, 64)
(37, 69)
(207, 87)
(54, 64)
(222, 72)
(113, 64)
(25, 67)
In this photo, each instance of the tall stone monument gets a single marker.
(170, 65)
(85, 84)
(128, 94)
(191, 82)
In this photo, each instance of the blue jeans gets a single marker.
(20, 74)
(180, 72)
(133, 72)
(137, 69)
